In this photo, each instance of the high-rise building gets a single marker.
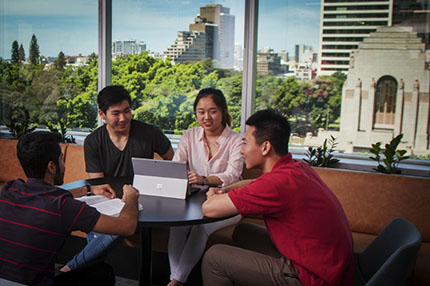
(192, 45)
(344, 24)
(304, 55)
(128, 47)
(211, 36)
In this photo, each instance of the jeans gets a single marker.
(98, 245)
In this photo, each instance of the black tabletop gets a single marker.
(157, 211)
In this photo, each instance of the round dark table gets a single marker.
(157, 212)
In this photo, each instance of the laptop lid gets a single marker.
(160, 178)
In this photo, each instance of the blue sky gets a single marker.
(71, 26)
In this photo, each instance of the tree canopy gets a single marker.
(161, 93)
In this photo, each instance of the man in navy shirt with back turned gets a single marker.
(36, 218)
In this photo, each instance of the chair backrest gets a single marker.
(389, 259)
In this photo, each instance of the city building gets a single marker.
(78, 60)
(304, 54)
(386, 93)
(303, 72)
(128, 47)
(210, 36)
(344, 24)
(269, 62)
(192, 45)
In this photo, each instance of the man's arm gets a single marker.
(219, 206)
(238, 185)
(95, 175)
(168, 155)
(218, 191)
(105, 190)
(125, 224)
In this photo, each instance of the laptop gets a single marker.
(163, 178)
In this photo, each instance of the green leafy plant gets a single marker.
(392, 156)
(19, 122)
(323, 155)
(61, 128)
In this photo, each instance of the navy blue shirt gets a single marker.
(35, 220)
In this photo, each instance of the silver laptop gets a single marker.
(162, 178)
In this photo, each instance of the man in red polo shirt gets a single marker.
(308, 240)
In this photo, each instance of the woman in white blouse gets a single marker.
(212, 153)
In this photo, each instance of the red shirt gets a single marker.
(304, 219)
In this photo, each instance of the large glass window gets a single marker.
(323, 72)
(338, 68)
(164, 52)
(48, 64)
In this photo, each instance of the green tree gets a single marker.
(60, 62)
(34, 51)
(290, 99)
(15, 53)
(21, 54)
(232, 89)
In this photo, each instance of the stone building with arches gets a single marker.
(387, 92)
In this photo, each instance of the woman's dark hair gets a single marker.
(111, 95)
(271, 126)
(35, 150)
(219, 99)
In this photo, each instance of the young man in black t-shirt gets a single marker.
(108, 152)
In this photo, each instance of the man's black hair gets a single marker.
(35, 150)
(218, 98)
(112, 95)
(271, 126)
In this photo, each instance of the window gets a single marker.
(184, 47)
(323, 73)
(385, 102)
(48, 64)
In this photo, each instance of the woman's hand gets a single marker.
(104, 190)
(194, 178)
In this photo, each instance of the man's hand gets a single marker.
(194, 178)
(104, 190)
(129, 193)
(214, 191)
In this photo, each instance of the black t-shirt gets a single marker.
(101, 155)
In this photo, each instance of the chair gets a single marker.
(389, 259)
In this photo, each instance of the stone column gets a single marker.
(356, 107)
(421, 137)
(398, 121)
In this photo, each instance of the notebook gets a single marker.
(162, 178)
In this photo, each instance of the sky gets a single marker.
(71, 26)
